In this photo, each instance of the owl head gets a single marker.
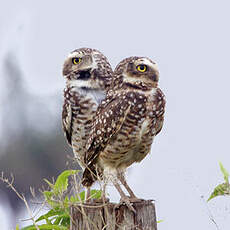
(87, 68)
(137, 72)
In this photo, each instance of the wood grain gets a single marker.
(110, 216)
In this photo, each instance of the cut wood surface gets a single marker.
(110, 216)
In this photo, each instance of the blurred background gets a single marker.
(190, 42)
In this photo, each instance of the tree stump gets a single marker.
(110, 216)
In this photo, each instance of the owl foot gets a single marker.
(128, 202)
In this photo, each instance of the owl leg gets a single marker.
(124, 198)
(123, 181)
(133, 197)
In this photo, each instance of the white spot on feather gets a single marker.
(98, 132)
(143, 127)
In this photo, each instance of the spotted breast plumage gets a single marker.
(88, 75)
(126, 123)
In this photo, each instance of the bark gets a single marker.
(110, 216)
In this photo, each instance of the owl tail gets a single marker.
(89, 176)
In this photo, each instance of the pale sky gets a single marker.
(190, 42)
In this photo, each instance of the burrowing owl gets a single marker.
(88, 75)
(126, 123)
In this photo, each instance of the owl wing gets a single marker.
(108, 121)
(70, 111)
(160, 109)
(67, 121)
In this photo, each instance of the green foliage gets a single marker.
(46, 227)
(160, 221)
(220, 190)
(224, 188)
(58, 217)
(61, 183)
(225, 172)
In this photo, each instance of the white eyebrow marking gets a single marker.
(74, 54)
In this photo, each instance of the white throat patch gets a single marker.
(96, 95)
(78, 83)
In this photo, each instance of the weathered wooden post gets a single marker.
(109, 216)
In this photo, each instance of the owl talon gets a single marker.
(127, 201)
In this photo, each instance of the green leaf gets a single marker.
(30, 227)
(48, 197)
(61, 183)
(220, 190)
(159, 221)
(58, 220)
(66, 202)
(46, 227)
(225, 172)
(66, 199)
(54, 204)
(81, 195)
(48, 194)
(63, 220)
(50, 213)
(66, 221)
(73, 199)
(17, 227)
(95, 194)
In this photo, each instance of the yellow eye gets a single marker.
(76, 61)
(142, 68)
